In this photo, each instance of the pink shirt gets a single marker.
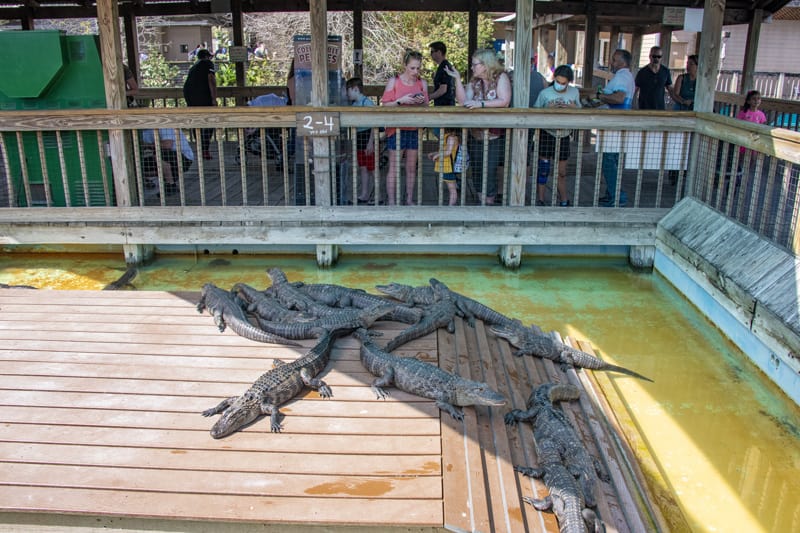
(756, 117)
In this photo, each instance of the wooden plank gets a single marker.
(506, 503)
(350, 510)
(234, 460)
(220, 481)
(457, 503)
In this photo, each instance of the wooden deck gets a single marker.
(101, 395)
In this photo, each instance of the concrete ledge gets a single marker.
(744, 283)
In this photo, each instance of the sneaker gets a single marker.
(540, 203)
(564, 204)
(610, 203)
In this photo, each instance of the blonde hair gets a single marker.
(488, 57)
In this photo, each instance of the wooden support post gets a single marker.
(119, 143)
(358, 37)
(636, 47)
(589, 46)
(561, 43)
(238, 40)
(541, 50)
(472, 32)
(613, 44)
(319, 98)
(708, 68)
(511, 255)
(750, 51)
(327, 255)
(131, 40)
(665, 42)
(519, 137)
(642, 256)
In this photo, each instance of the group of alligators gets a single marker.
(289, 311)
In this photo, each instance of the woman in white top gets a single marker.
(489, 87)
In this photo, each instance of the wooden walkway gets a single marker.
(101, 395)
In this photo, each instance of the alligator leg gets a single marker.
(219, 320)
(224, 404)
(458, 414)
(383, 381)
(543, 504)
(277, 362)
(593, 522)
(518, 415)
(275, 416)
(536, 473)
(314, 383)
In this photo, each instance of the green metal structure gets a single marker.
(46, 69)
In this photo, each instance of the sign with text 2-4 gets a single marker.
(317, 124)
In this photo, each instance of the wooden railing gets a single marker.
(58, 160)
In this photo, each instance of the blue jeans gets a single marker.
(610, 172)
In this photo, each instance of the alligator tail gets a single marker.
(584, 360)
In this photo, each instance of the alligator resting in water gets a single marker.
(126, 280)
(274, 388)
(557, 438)
(530, 342)
(423, 379)
(227, 312)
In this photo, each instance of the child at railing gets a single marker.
(365, 147)
(444, 162)
(750, 110)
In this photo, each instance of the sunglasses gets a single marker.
(656, 57)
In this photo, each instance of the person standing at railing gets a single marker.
(169, 156)
(365, 146)
(490, 87)
(618, 94)
(750, 110)
(405, 89)
(200, 89)
(559, 95)
(683, 91)
(653, 82)
(444, 162)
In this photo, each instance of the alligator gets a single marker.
(530, 341)
(274, 388)
(344, 319)
(437, 315)
(424, 379)
(227, 312)
(293, 298)
(551, 425)
(266, 307)
(467, 306)
(565, 498)
(339, 296)
(124, 280)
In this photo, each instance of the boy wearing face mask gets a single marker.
(559, 95)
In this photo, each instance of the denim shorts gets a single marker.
(409, 140)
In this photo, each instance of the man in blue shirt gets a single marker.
(618, 94)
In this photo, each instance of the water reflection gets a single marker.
(725, 440)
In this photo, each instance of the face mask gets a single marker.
(558, 87)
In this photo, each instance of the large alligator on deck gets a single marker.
(339, 296)
(440, 314)
(274, 388)
(528, 341)
(227, 312)
(467, 307)
(565, 498)
(423, 379)
(550, 425)
(343, 320)
(265, 306)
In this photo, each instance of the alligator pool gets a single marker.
(711, 430)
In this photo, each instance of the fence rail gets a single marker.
(58, 159)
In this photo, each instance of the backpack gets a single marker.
(461, 162)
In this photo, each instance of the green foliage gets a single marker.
(156, 72)
(257, 73)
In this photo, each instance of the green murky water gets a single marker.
(725, 442)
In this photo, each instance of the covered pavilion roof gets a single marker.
(622, 13)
